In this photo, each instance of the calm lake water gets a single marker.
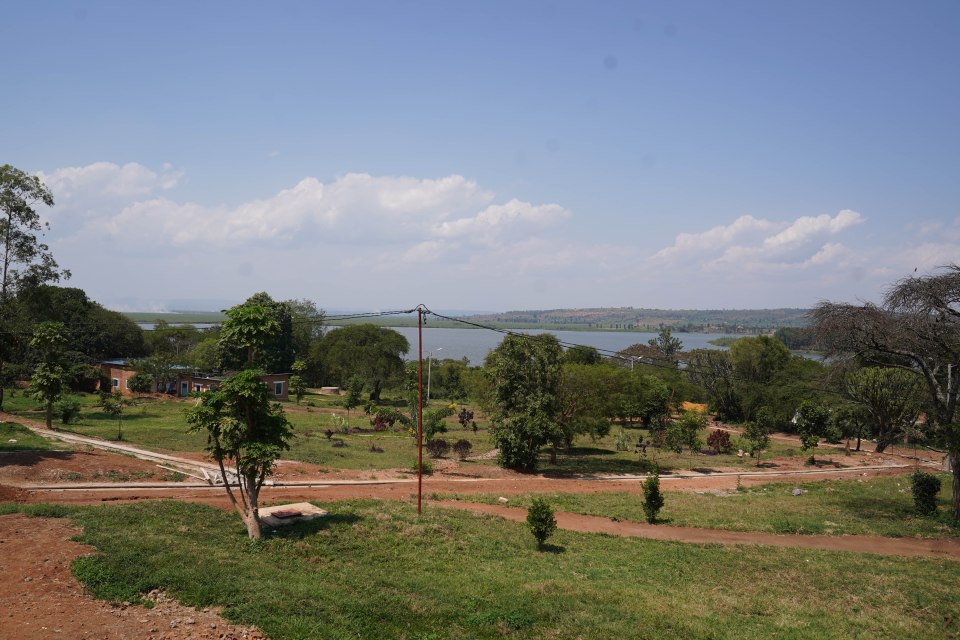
(475, 344)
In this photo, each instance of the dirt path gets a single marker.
(939, 548)
(40, 598)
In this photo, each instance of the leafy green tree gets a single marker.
(258, 333)
(204, 356)
(434, 421)
(892, 397)
(917, 328)
(27, 262)
(757, 433)
(758, 358)
(243, 424)
(297, 384)
(712, 370)
(526, 374)
(685, 432)
(159, 368)
(668, 345)
(811, 421)
(652, 497)
(354, 392)
(49, 381)
(582, 354)
(173, 340)
(141, 383)
(374, 353)
(113, 404)
(541, 521)
(307, 325)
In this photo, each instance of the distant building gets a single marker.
(119, 373)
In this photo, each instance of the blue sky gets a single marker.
(489, 155)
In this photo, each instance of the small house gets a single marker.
(119, 373)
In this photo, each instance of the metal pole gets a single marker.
(420, 312)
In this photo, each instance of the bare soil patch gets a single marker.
(40, 598)
(82, 464)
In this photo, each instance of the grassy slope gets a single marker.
(26, 440)
(878, 506)
(375, 570)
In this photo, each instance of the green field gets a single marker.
(160, 424)
(881, 506)
(25, 440)
(375, 570)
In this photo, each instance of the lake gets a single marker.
(475, 344)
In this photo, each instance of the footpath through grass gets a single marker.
(375, 570)
(879, 506)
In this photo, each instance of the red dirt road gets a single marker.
(40, 598)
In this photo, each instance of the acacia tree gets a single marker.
(26, 260)
(666, 344)
(917, 328)
(49, 377)
(891, 397)
(526, 373)
(243, 426)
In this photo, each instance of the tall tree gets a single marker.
(243, 426)
(916, 328)
(26, 260)
(371, 352)
(526, 375)
(890, 396)
(258, 333)
(666, 344)
(307, 320)
(49, 379)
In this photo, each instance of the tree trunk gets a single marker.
(954, 458)
(375, 393)
(252, 515)
(49, 415)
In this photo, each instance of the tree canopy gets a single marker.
(371, 352)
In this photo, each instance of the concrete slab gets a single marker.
(305, 510)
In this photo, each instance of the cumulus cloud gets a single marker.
(409, 219)
(761, 243)
(107, 180)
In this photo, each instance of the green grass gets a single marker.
(880, 506)
(376, 570)
(600, 456)
(26, 440)
(160, 424)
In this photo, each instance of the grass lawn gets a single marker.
(26, 440)
(160, 424)
(601, 456)
(375, 570)
(880, 506)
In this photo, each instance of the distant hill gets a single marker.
(628, 318)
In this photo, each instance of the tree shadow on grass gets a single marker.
(546, 547)
(300, 530)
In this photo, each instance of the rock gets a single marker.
(502, 500)
(796, 491)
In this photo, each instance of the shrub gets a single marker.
(622, 442)
(462, 448)
(541, 520)
(427, 467)
(652, 498)
(465, 417)
(925, 488)
(438, 447)
(341, 424)
(68, 409)
(719, 441)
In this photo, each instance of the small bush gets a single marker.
(340, 424)
(328, 433)
(462, 448)
(622, 441)
(925, 488)
(652, 498)
(719, 441)
(67, 409)
(374, 448)
(541, 520)
(427, 468)
(438, 447)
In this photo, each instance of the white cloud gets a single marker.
(720, 236)
(106, 180)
